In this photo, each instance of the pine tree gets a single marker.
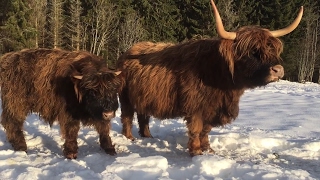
(196, 18)
(285, 15)
(72, 25)
(14, 27)
(54, 23)
(4, 8)
(243, 8)
(159, 18)
(37, 21)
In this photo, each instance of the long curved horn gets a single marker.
(219, 25)
(290, 28)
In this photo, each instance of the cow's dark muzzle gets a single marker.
(108, 115)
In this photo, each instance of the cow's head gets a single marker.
(97, 92)
(253, 53)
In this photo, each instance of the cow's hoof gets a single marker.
(20, 147)
(195, 152)
(71, 155)
(129, 137)
(110, 151)
(145, 134)
(208, 150)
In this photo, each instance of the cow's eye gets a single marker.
(256, 54)
(92, 93)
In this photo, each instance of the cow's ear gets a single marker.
(76, 83)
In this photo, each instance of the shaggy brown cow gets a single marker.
(68, 87)
(200, 80)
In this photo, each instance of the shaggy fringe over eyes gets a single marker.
(254, 39)
(95, 81)
(251, 40)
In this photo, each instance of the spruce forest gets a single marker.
(109, 27)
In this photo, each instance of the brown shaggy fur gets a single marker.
(68, 87)
(201, 80)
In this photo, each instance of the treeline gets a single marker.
(109, 27)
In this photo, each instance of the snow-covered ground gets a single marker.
(276, 136)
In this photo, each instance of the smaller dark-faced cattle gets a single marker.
(67, 87)
(200, 80)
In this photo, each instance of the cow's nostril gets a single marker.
(277, 71)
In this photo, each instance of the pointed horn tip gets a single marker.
(291, 27)
(219, 25)
(301, 9)
(213, 4)
(300, 14)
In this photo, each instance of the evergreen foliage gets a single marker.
(14, 28)
(195, 18)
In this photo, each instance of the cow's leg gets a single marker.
(143, 121)
(127, 113)
(70, 131)
(195, 126)
(103, 128)
(127, 126)
(13, 127)
(204, 138)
